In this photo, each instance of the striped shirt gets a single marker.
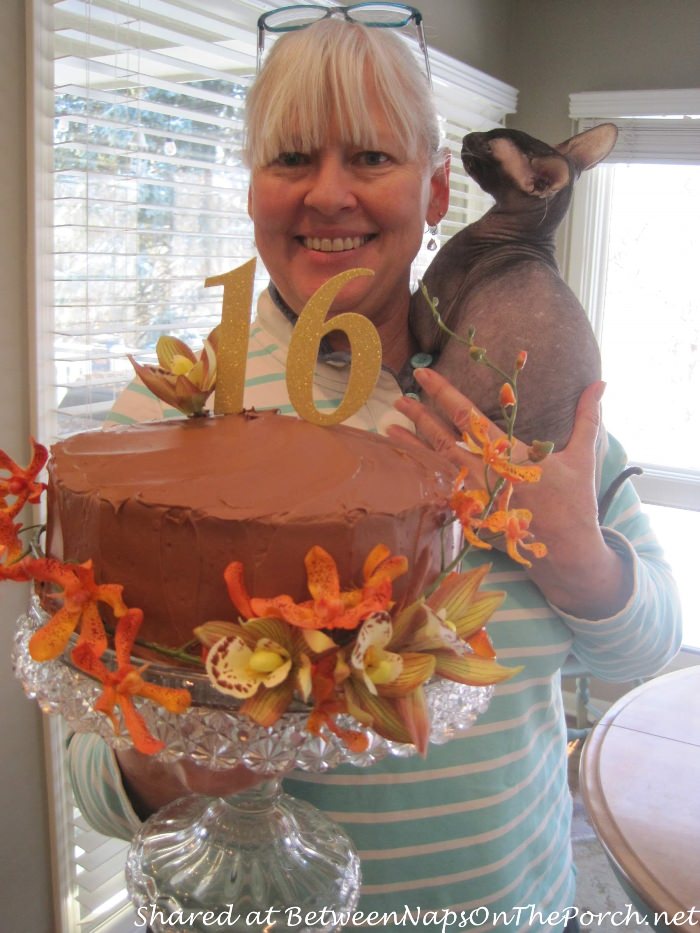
(481, 826)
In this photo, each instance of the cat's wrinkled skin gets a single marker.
(500, 276)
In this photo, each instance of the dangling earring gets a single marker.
(432, 242)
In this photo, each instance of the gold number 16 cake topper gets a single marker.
(310, 328)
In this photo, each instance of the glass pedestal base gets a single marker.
(259, 861)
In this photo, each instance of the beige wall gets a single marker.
(474, 31)
(557, 47)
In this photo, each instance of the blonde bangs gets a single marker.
(315, 84)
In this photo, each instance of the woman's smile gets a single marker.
(335, 244)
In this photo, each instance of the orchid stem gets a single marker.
(177, 653)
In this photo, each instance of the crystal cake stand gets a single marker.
(256, 861)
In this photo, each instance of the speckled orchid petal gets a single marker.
(21, 484)
(92, 628)
(80, 595)
(496, 454)
(322, 574)
(10, 544)
(378, 554)
(227, 668)
(52, 638)
(375, 631)
(514, 524)
(122, 684)
(143, 741)
(283, 607)
(374, 664)
(174, 699)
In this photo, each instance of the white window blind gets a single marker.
(140, 194)
(147, 187)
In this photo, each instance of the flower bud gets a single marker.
(540, 450)
(478, 354)
(506, 396)
(520, 360)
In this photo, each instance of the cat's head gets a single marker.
(512, 166)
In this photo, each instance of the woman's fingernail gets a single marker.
(423, 376)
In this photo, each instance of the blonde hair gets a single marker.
(318, 78)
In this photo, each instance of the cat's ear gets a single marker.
(590, 147)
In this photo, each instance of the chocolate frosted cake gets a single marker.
(162, 508)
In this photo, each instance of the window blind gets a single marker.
(140, 195)
(147, 184)
(660, 127)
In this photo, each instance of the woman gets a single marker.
(346, 169)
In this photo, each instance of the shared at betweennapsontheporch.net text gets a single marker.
(442, 920)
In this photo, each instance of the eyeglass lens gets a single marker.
(368, 14)
(298, 16)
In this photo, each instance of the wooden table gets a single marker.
(640, 781)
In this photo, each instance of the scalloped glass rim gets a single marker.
(213, 732)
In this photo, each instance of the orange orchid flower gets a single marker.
(496, 454)
(10, 544)
(468, 505)
(22, 483)
(329, 606)
(328, 703)
(514, 525)
(122, 684)
(79, 595)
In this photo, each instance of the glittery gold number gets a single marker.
(232, 354)
(311, 327)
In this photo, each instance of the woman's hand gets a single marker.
(580, 574)
(151, 784)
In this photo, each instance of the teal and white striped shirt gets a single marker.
(481, 826)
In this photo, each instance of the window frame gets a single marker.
(655, 126)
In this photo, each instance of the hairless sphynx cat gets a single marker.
(500, 276)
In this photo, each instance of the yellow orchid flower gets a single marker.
(239, 670)
(182, 378)
(369, 657)
(263, 662)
